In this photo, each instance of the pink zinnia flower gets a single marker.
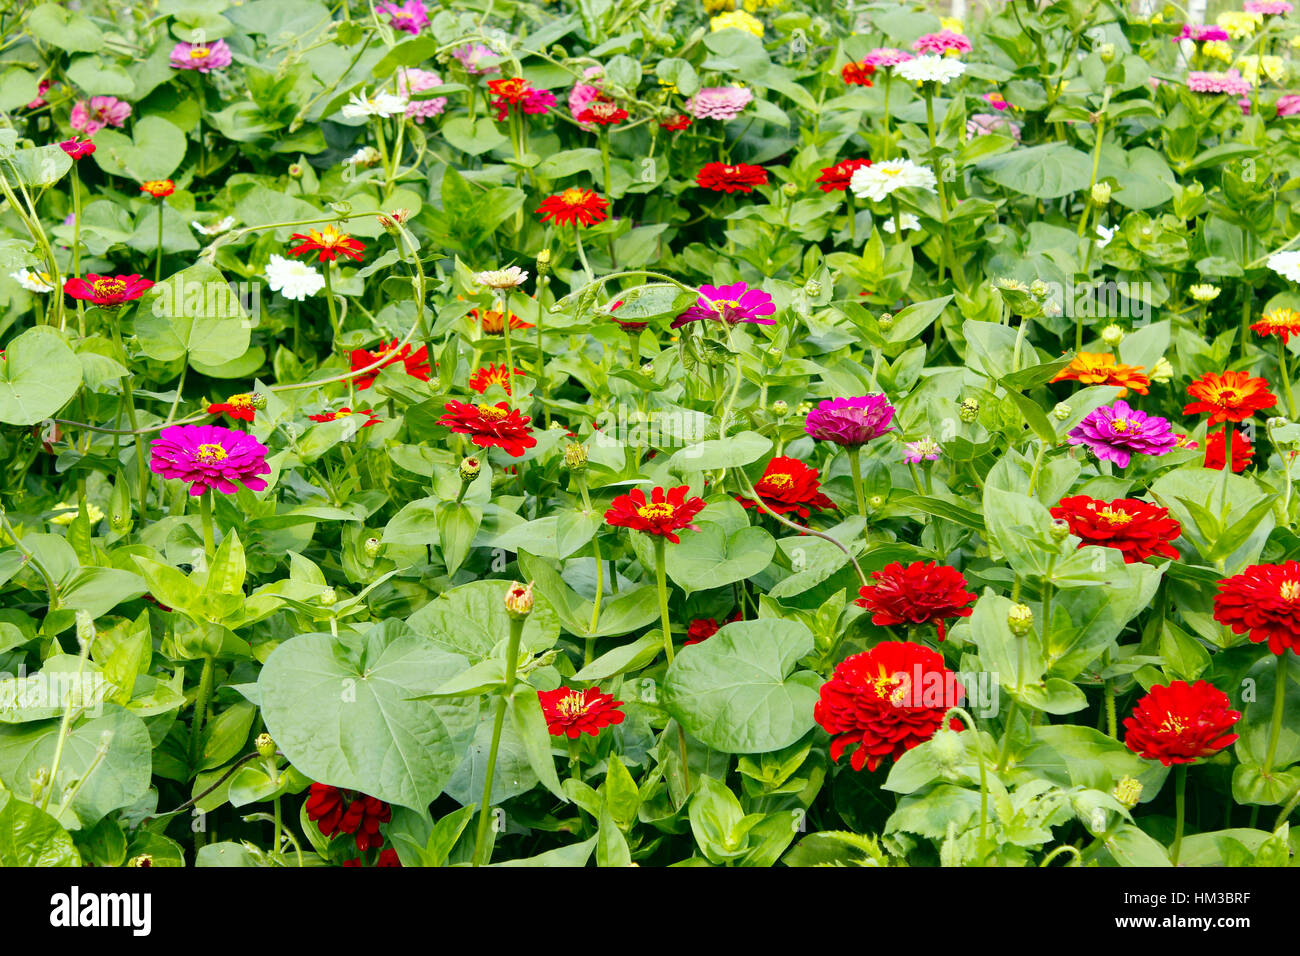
(90, 116)
(1115, 432)
(1288, 105)
(850, 421)
(731, 304)
(471, 56)
(1202, 34)
(111, 292)
(209, 456)
(77, 148)
(1231, 82)
(204, 57)
(981, 124)
(1269, 8)
(887, 56)
(584, 94)
(411, 17)
(42, 88)
(411, 80)
(946, 42)
(719, 102)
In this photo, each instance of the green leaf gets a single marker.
(471, 620)
(31, 837)
(530, 724)
(1044, 172)
(39, 374)
(64, 29)
(457, 525)
(731, 452)
(195, 313)
(155, 150)
(709, 558)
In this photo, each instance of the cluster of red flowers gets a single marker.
(386, 857)
(344, 412)
(917, 594)
(1180, 723)
(416, 362)
(666, 513)
(788, 485)
(570, 712)
(1135, 528)
(574, 206)
(731, 178)
(347, 811)
(837, 178)
(491, 426)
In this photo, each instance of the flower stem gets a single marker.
(949, 259)
(1279, 705)
(205, 510)
(855, 469)
(157, 266)
(510, 355)
(201, 710)
(1005, 749)
(979, 756)
(1180, 807)
(329, 301)
(1286, 380)
(485, 805)
(661, 582)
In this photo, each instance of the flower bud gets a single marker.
(968, 410)
(1128, 792)
(555, 426)
(144, 859)
(803, 409)
(392, 222)
(1107, 52)
(575, 456)
(258, 401)
(1020, 619)
(1277, 421)
(372, 547)
(1101, 193)
(1060, 529)
(1061, 412)
(1039, 289)
(469, 469)
(948, 747)
(295, 171)
(1162, 371)
(544, 262)
(790, 190)
(265, 746)
(648, 368)
(329, 597)
(812, 288)
(876, 501)
(886, 321)
(1112, 335)
(519, 600)
(780, 409)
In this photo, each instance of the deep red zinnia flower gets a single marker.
(836, 178)
(788, 485)
(1135, 528)
(574, 206)
(570, 712)
(1283, 322)
(490, 375)
(107, 290)
(664, 514)
(1242, 452)
(348, 811)
(77, 148)
(858, 74)
(916, 594)
(330, 242)
(676, 123)
(886, 701)
(703, 628)
(386, 857)
(1181, 723)
(602, 113)
(491, 426)
(1263, 601)
(416, 363)
(1230, 397)
(736, 178)
(344, 412)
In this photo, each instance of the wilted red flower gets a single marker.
(701, 629)
(1283, 323)
(491, 426)
(1135, 528)
(570, 712)
(158, 188)
(788, 485)
(491, 375)
(240, 407)
(664, 514)
(858, 74)
(886, 701)
(107, 290)
(836, 178)
(916, 594)
(344, 412)
(733, 178)
(1242, 452)
(1264, 601)
(330, 242)
(416, 363)
(574, 206)
(1181, 723)
(676, 123)
(1230, 397)
(77, 148)
(348, 811)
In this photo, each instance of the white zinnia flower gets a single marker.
(931, 69)
(507, 278)
(909, 222)
(293, 279)
(878, 180)
(33, 281)
(384, 104)
(365, 156)
(216, 228)
(1104, 236)
(1286, 264)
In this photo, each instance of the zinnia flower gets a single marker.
(1231, 82)
(387, 857)
(240, 407)
(571, 712)
(491, 426)
(701, 629)
(90, 116)
(946, 42)
(734, 178)
(1286, 264)
(490, 375)
(874, 702)
(110, 291)
(416, 362)
(602, 113)
(731, 304)
(574, 206)
(850, 422)
(1100, 368)
(33, 281)
(1135, 528)
(927, 449)
(517, 93)
(916, 594)
(77, 148)
(1269, 8)
(910, 222)
(997, 101)
(736, 20)
(492, 321)
(203, 57)
(788, 485)
(208, 456)
(666, 513)
(877, 181)
(719, 102)
(410, 17)
(292, 279)
(224, 224)
(836, 178)
(857, 74)
(1283, 323)
(344, 412)
(382, 104)
(1242, 452)
(887, 56)
(347, 811)
(1202, 34)
(1287, 105)
(1230, 397)
(679, 121)
(330, 242)
(1115, 432)
(411, 80)
(508, 278)
(471, 56)
(158, 188)
(931, 69)
(1181, 723)
(1264, 602)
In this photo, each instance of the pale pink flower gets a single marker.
(719, 102)
(946, 42)
(887, 56)
(411, 80)
(1231, 82)
(90, 116)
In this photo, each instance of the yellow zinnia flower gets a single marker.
(737, 20)
(1238, 23)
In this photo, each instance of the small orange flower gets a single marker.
(1283, 323)
(490, 375)
(330, 242)
(491, 321)
(158, 188)
(1100, 368)
(1230, 397)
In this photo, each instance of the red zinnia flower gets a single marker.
(663, 514)
(738, 178)
(344, 412)
(679, 121)
(491, 425)
(858, 74)
(1181, 723)
(518, 92)
(331, 242)
(386, 857)
(916, 594)
(1135, 528)
(837, 177)
(107, 290)
(574, 205)
(571, 712)
(788, 485)
(417, 362)
(1263, 600)
(239, 407)
(1283, 323)
(876, 700)
(1230, 397)
(157, 188)
(491, 375)
(702, 629)
(491, 321)
(77, 148)
(602, 113)
(1242, 452)
(347, 811)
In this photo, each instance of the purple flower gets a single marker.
(719, 102)
(1202, 34)
(410, 81)
(1115, 432)
(470, 57)
(208, 456)
(1203, 81)
(411, 17)
(850, 421)
(1288, 105)
(90, 116)
(731, 304)
(203, 57)
(915, 451)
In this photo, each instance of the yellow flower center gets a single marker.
(573, 196)
(572, 705)
(1290, 590)
(1172, 725)
(1114, 516)
(242, 400)
(212, 453)
(199, 53)
(1120, 425)
(889, 687)
(491, 411)
(781, 480)
(654, 512)
(107, 288)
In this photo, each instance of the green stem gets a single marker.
(66, 724)
(855, 470)
(1005, 750)
(201, 700)
(661, 582)
(1180, 807)
(157, 266)
(205, 511)
(1286, 380)
(329, 301)
(979, 756)
(481, 851)
(950, 259)
(1279, 705)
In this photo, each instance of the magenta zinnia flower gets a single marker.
(944, 42)
(203, 57)
(850, 421)
(90, 116)
(1202, 34)
(1115, 432)
(1288, 105)
(470, 56)
(1232, 82)
(410, 81)
(887, 56)
(731, 304)
(411, 17)
(584, 94)
(208, 456)
(719, 102)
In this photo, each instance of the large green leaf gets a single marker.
(153, 151)
(710, 558)
(472, 620)
(195, 312)
(1044, 172)
(39, 374)
(31, 837)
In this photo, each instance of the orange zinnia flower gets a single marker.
(331, 242)
(1230, 397)
(492, 321)
(158, 188)
(1100, 368)
(491, 375)
(1283, 323)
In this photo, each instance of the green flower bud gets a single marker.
(948, 747)
(1101, 193)
(1020, 619)
(876, 501)
(575, 456)
(544, 262)
(1039, 289)
(329, 597)
(295, 171)
(813, 288)
(780, 409)
(469, 469)
(265, 746)
(790, 190)
(372, 547)
(1061, 412)
(803, 409)
(1060, 529)
(519, 600)
(886, 321)
(1107, 52)
(144, 859)
(1128, 792)
(1112, 335)
(968, 410)
(258, 401)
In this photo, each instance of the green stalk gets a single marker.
(1279, 705)
(1286, 380)
(949, 257)
(485, 806)
(201, 700)
(855, 469)
(205, 511)
(66, 724)
(510, 357)
(661, 582)
(157, 266)
(329, 302)
(1180, 808)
